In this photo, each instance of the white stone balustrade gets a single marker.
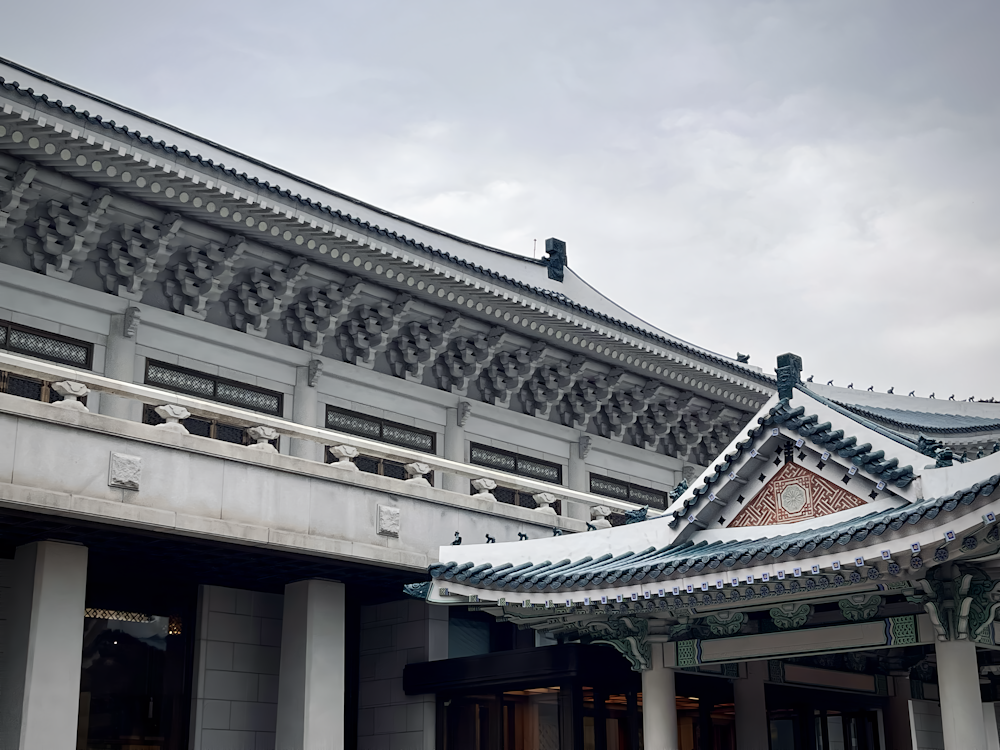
(174, 407)
(545, 501)
(599, 517)
(415, 472)
(484, 489)
(263, 436)
(72, 392)
(345, 455)
(172, 414)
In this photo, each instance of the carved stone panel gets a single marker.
(125, 471)
(795, 494)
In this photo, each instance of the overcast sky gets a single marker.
(816, 177)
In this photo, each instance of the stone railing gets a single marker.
(175, 407)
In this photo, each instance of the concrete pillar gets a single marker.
(305, 410)
(311, 673)
(40, 685)
(659, 705)
(119, 364)
(752, 730)
(454, 449)
(961, 704)
(578, 478)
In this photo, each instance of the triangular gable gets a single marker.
(795, 494)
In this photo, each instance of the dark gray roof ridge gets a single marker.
(860, 419)
(556, 297)
(843, 533)
(873, 414)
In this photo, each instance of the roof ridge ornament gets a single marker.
(555, 258)
(789, 372)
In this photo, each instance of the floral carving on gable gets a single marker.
(795, 494)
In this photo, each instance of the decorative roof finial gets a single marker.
(891, 389)
(744, 358)
(789, 373)
(555, 258)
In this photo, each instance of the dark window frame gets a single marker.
(629, 486)
(382, 423)
(378, 465)
(517, 458)
(217, 381)
(511, 496)
(9, 326)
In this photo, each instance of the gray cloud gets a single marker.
(762, 176)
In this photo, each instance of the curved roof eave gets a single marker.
(535, 272)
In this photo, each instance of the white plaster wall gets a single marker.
(237, 653)
(394, 635)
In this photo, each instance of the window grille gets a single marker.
(212, 388)
(174, 624)
(632, 493)
(376, 428)
(501, 460)
(44, 345)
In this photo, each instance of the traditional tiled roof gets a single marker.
(662, 564)
(209, 164)
(862, 455)
(926, 421)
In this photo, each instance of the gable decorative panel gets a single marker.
(795, 494)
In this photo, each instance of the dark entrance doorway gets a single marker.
(568, 697)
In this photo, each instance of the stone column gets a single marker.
(305, 409)
(40, 684)
(311, 673)
(454, 445)
(659, 704)
(119, 364)
(752, 731)
(961, 704)
(578, 478)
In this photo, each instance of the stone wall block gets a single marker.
(233, 628)
(230, 686)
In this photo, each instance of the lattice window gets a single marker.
(376, 428)
(213, 388)
(174, 626)
(45, 345)
(632, 493)
(494, 458)
(501, 460)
